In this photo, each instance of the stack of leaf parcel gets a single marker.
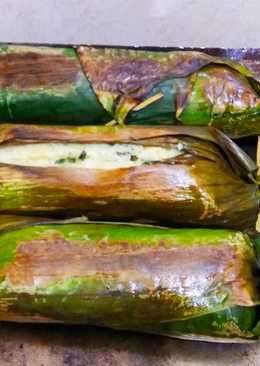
(124, 202)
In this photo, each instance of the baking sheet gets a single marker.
(42, 345)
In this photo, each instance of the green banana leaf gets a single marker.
(97, 85)
(194, 283)
(46, 84)
(202, 179)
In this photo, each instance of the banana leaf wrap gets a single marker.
(96, 85)
(209, 183)
(186, 283)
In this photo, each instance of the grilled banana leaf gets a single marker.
(193, 283)
(95, 85)
(46, 84)
(170, 175)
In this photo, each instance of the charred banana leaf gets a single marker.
(46, 84)
(95, 85)
(193, 283)
(169, 175)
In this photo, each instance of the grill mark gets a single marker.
(188, 271)
(32, 70)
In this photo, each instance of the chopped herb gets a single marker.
(121, 153)
(60, 161)
(133, 158)
(83, 155)
(69, 159)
